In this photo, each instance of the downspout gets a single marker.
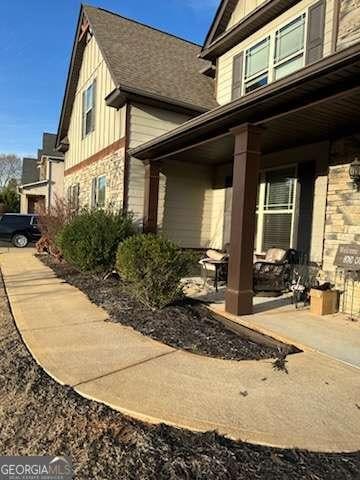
(49, 184)
(336, 21)
(126, 179)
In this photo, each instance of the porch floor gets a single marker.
(333, 335)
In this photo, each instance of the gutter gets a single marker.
(34, 184)
(253, 21)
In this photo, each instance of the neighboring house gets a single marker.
(127, 84)
(42, 178)
(270, 165)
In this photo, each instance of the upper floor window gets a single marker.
(88, 117)
(257, 65)
(287, 49)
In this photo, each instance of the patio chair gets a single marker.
(275, 272)
(215, 261)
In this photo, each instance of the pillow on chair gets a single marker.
(274, 255)
(214, 255)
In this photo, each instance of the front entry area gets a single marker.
(35, 203)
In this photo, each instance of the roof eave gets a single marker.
(39, 183)
(263, 14)
(123, 94)
(335, 61)
(60, 133)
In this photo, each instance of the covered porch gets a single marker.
(278, 137)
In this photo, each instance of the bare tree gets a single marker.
(10, 169)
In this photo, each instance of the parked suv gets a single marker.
(19, 229)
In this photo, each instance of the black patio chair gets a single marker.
(275, 272)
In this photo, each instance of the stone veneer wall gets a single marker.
(112, 166)
(349, 23)
(342, 215)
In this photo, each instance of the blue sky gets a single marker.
(36, 38)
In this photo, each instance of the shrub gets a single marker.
(154, 267)
(90, 240)
(51, 222)
(10, 199)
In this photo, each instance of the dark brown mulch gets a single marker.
(40, 417)
(188, 326)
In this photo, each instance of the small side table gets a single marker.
(217, 264)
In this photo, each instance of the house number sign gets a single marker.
(348, 257)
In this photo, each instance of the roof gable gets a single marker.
(138, 56)
(236, 20)
(221, 20)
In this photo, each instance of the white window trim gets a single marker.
(96, 193)
(270, 70)
(86, 111)
(261, 211)
(72, 187)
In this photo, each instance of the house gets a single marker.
(127, 83)
(270, 165)
(42, 177)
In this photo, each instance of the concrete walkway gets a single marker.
(315, 406)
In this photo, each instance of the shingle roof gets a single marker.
(48, 145)
(150, 60)
(144, 59)
(30, 172)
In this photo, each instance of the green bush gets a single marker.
(10, 198)
(153, 267)
(90, 240)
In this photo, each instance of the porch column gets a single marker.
(151, 197)
(247, 155)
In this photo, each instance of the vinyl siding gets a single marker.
(225, 62)
(243, 8)
(146, 123)
(109, 122)
(186, 210)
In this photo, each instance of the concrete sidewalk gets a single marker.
(316, 406)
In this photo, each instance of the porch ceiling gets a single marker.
(332, 118)
(322, 101)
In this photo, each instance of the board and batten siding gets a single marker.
(225, 62)
(243, 8)
(145, 124)
(185, 212)
(109, 122)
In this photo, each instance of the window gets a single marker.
(275, 210)
(73, 197)
(257, 65)
(89, 96)
(275, 56)
(98, 192)
(289, 47)
(16, 220)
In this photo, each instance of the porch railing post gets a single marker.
(151, 197)
(247, 156)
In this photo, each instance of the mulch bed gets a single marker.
(188, 325)
(40, 417)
